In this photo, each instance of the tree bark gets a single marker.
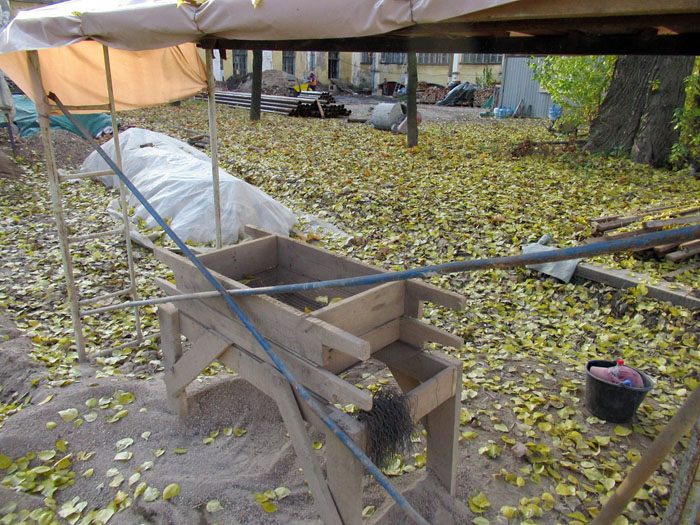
(636, 115)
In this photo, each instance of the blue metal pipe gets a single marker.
(638, 242)
(305, 395)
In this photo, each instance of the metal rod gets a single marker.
(303, 392)
(97, 235)
(214, 144)
(577, 252)
(91, 175)
(122, 193)
(112, 295)
(42, 108)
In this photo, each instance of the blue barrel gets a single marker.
(555, 112)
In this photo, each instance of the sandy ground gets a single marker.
(230, 469)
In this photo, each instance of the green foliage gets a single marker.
(578, 84)
(487, 78)
(687, 121)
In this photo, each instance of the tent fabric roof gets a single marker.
(152, 24)
(139, 32)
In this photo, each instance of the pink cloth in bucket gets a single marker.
(625, 372)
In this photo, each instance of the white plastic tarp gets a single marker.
(176, 180)
(138, 25)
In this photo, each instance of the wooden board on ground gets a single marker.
(673, 293)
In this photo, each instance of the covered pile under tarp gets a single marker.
(26, 120)
(176, 179)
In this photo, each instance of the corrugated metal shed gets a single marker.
(518, 84)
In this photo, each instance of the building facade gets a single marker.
(368, 70)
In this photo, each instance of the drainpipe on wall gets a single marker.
(267, 60)
(375, 72)
(455, 67)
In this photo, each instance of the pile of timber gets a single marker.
(307, 104)
(432, 94)
(650, 220)
(481, 95)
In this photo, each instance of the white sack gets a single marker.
(176, 180)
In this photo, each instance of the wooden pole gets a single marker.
(122, 194)
(450, 67)
(42, 108)
(684, 419)
(214, 143)
(412, 110)
(685, 480)
(257, 87)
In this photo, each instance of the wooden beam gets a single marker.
(276, 321)
(242, 259)
(256, 90)
(432, 393)
(367, 310)
(272, 383)
(325, 384)
(417, 333)
(673, 293)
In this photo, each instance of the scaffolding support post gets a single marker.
(122, 194)
(42, 107)
(214, 143)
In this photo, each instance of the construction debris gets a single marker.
(432, 94)
(651, 219)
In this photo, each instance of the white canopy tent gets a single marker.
(152, 51)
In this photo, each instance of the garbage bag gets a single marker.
(464, 92)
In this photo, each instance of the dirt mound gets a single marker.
(274, 82)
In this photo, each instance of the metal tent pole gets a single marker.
(42, 107)
(214, 143)
(122, 195)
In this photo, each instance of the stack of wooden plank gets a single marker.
(650, 220)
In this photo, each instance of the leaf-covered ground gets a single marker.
(460, 195)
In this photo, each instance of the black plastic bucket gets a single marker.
(610, 401)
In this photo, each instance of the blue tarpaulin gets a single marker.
(26, 119)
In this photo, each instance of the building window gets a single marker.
(240, 62)
(393, 58)
(480, 58)
(433, 58)
(333, 64)
(288, 61)
(366, 58)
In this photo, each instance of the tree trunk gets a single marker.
(635, 117)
